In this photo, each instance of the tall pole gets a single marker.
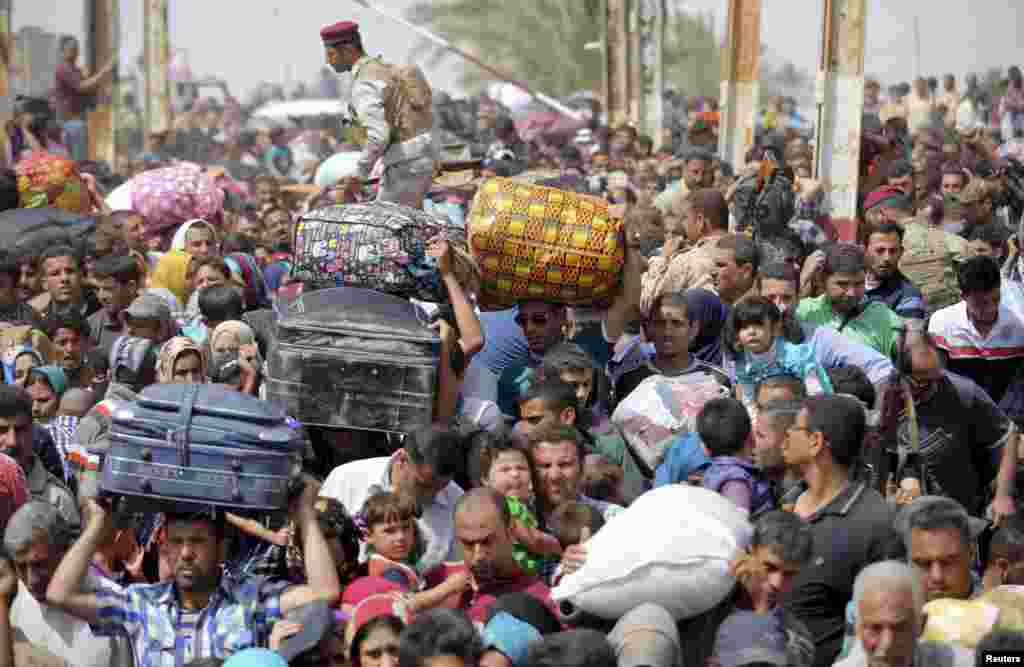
(840, 91)
(103, 17)
(917, 46)
(650, 86)
(157, 58)
(7, 55)
(741, 71)
(617, 55)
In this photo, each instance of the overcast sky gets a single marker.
(246, 41)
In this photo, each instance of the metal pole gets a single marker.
(104, 30)
(8, 57)
(157, 58)
(741, 64)
(503, 76)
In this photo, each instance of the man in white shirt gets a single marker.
(422, 469)
(37, 537)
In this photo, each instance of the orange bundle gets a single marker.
(46, 180)
(538, 243)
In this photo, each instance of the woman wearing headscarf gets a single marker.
(22, 349)
(708, 315)
(171, 274)
(1011, 108)
(234, 356)
(181, 361)
(180, 240)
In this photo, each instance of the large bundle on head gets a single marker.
(537, 243)
(170, 196)
(46, 180)
(379, 246)
(660, 409)
(671, 547)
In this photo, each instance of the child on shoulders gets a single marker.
(725, 429)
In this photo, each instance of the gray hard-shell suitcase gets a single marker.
(354, 358)
(203, 444)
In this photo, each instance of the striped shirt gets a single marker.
(163, 634)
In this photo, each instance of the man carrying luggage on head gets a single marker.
(393, 105)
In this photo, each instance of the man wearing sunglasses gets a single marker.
(541, 324)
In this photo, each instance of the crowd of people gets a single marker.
(866, 419)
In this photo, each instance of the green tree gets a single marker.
(542, 43)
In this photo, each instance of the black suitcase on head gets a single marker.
(202, 445)
(354, 358)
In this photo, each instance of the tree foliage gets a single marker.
(542, 43)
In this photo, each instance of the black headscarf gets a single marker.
(707, 309)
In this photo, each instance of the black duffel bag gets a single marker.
(201, 444)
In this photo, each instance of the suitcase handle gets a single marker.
(178, 438)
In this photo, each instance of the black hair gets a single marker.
(334, 519)
(841, 420)
(9, 197)
(724, 426)
(555, 433)
(787, 534)
(437, 446)
(439, 632)
(10, 267)
(14, 402)
(389, 621)
(59, 251)
(743, 248)
(572, 357)
(554, 392)
(66, 319)
(123, 269)
(854, 381)
(899, 169)
(1008, 541)
(978, 274)
(574, 648)
(779, 271)
(220, 303)
(752, 310)
(886, 228)
(214, 517)
(992, 233)
(844, 258)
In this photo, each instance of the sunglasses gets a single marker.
(539, 320)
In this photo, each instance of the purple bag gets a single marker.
(172, 195)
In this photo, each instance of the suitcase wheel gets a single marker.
(147, 455)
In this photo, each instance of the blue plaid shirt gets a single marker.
(162, 634)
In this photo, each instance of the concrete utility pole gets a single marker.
(840, 93)
(7, 47)
(104, 25)
(157, 57)
(617, 92)
(741, 71)
(649, 70)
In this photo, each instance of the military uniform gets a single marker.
(409, 153)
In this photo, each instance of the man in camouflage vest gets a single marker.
(393, 105)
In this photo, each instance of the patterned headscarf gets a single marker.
(169, 354)
(13, 489)
(243, 334)
(171, 273)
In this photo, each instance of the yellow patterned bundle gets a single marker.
(542, 244)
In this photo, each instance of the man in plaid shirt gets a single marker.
(197, 614)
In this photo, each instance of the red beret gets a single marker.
(342, 31)
(882, 194)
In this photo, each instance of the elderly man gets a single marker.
(483, 528)
(37, 538)
(889, 600)
(394, 106)
(421, 470)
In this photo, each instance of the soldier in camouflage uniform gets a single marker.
(393, 105)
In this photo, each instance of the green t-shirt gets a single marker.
(877, 326)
